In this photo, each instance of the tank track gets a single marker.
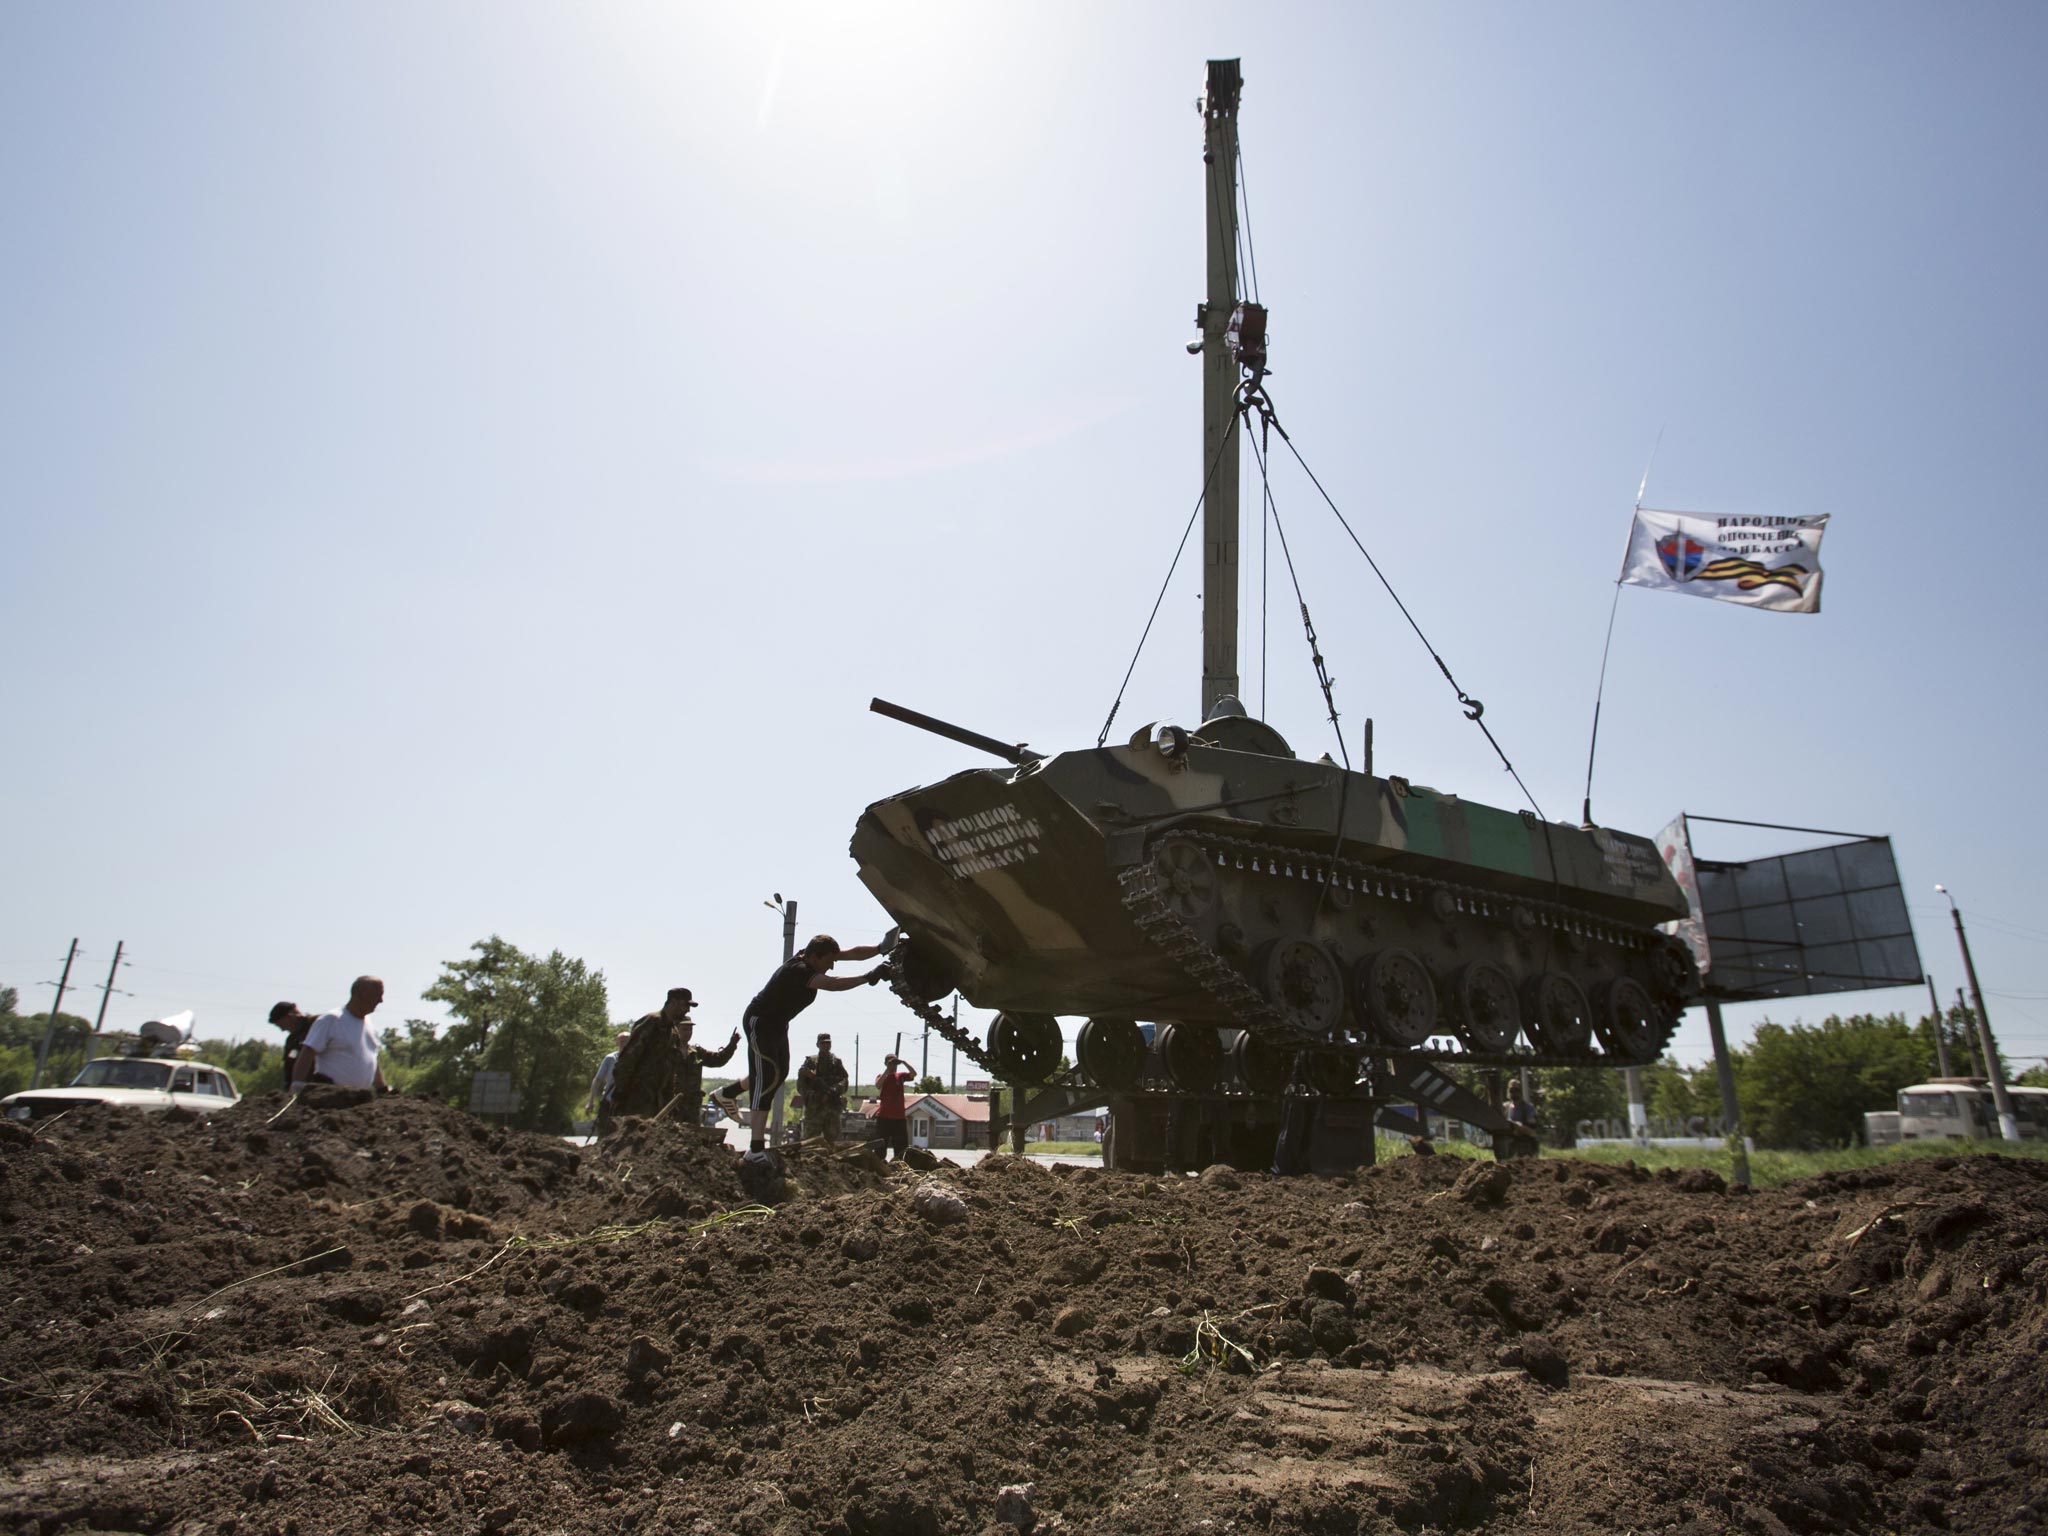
(942, 1026)
(1250, 1010)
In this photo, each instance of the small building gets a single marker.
(1082, 1126)
(944, 1122)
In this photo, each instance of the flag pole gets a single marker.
(1593, 744)
(1600, 693)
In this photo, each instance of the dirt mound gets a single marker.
(379, 1315)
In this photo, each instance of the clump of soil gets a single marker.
(368, 1315)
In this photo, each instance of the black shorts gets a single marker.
(767, 1060)
(895, 1135)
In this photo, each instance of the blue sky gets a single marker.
(466, 469)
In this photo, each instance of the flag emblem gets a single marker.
(1681, 555)
(1748, 575)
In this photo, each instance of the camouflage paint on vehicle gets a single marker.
(1012, 882)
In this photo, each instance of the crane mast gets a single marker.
(1219, 389)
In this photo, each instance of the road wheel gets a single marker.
(1303, 981)
(1193, 1054)
(1396, 997)
(1261, 1065)
(1560, 1019)
(1026, 1046)
(1628, 1023)
(1484, 1007)
(1112, 1054)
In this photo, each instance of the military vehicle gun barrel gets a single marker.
(1018, 754)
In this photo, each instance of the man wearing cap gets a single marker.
(794, 986)
(294, 1021)
(658, 1063)
(823, 1079)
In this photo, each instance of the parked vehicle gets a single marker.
(1961, 1109)
(149, 1083)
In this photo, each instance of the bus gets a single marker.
(1961, 1109)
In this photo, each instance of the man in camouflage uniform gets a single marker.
(658, 1064)
(823, 1079)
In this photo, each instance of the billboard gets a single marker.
(1829, 919)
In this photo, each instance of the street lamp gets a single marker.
(788, 911)
(2008, 1124)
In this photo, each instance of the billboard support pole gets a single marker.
(1638, 1111)
(1724, 1070)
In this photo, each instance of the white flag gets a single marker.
(1764, 562)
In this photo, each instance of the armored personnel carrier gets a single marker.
(1209, 880)
(1278, 923)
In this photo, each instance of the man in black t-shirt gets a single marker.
(290, 1018)
(794, 986)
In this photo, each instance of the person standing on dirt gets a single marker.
(824, 1079)
(793, 988)
(658, 1064)
(1520, 1112)
(599, 1099)
(1297, 1121)
(294, 1021)
(891, 1118)
(341, 1047)
(690, 1073)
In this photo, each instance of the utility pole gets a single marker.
(953, 1069)
(43, 1055)
(106, 992)
(1969, 1033)
(1731, 1112)
(1940, 1031)
(2008, 1123)
(1219, 388)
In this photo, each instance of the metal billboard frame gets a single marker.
(1805, 924)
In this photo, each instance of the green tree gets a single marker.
(544, 1021)
(1567, 1095)
(928, 1084)
(414, 1049)
(1672, 1092)
(1807, 1086)
(21, 1037)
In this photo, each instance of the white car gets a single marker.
(135, 1082)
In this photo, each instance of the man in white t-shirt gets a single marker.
(341, 1048)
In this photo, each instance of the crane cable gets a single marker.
(1474, 709)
